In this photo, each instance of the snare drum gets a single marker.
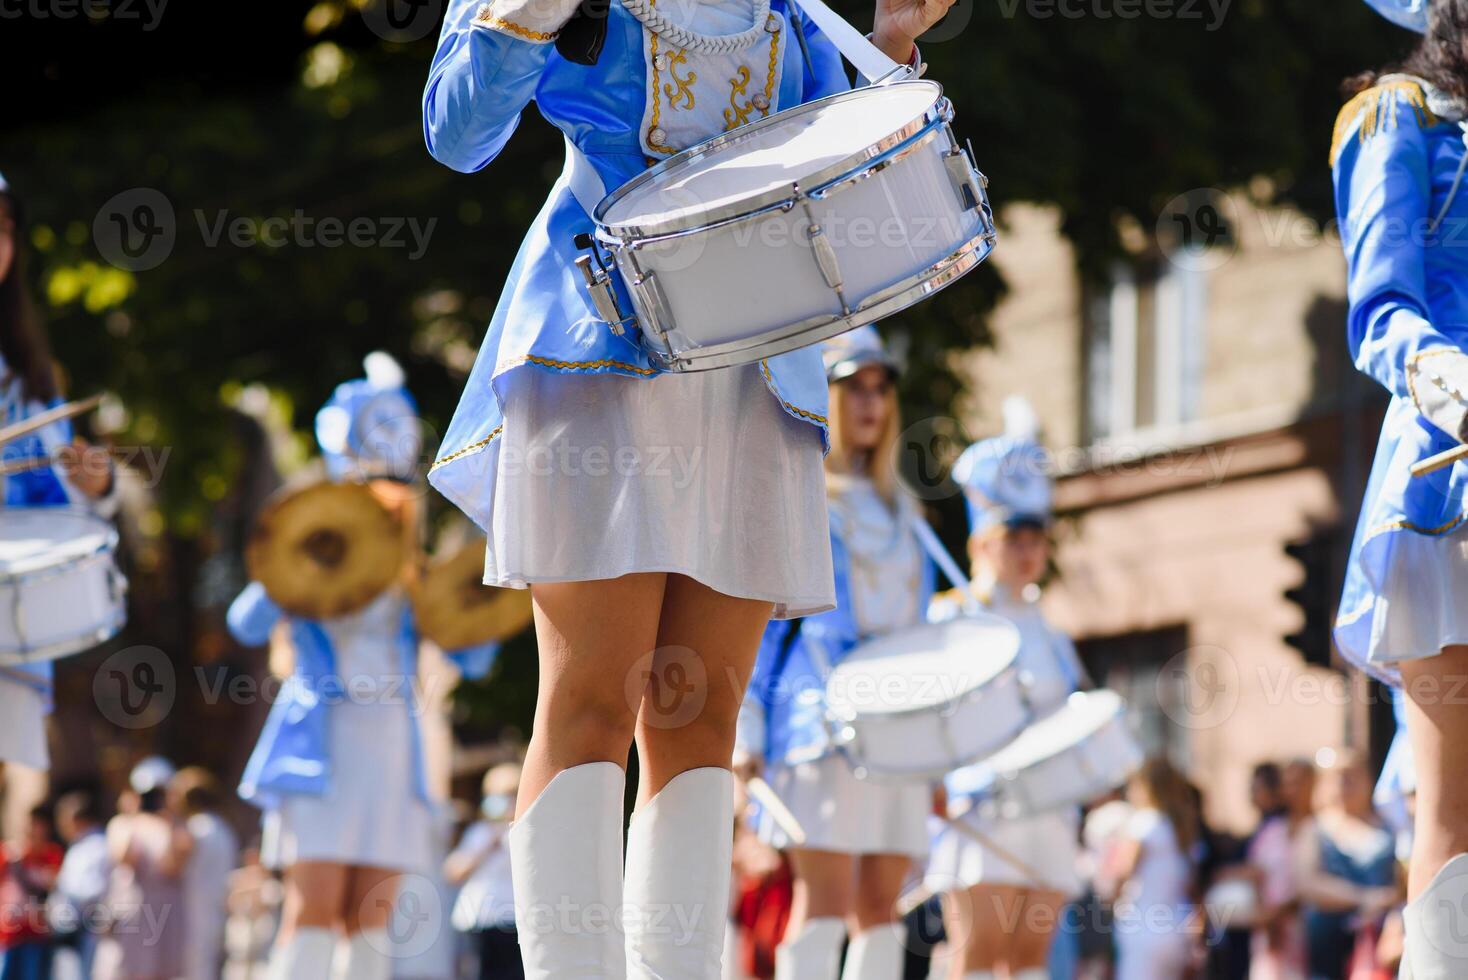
(1079, 752)
(793, 229)
(60, 589)
(920, 702)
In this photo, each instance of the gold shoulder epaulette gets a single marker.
(1379, 109)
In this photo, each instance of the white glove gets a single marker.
(1438, 380)
(537, 21)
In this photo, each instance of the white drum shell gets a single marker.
(926, 744)
(1074, 774)
(63, 607)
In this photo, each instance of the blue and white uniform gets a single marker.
(1398, 160)
(339, 765)
(578, 458)
(1005, 482)
(25, 692)
(883, 583)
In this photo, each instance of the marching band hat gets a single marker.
(1411, 14)
(848, 353)
(369, 428)
(152, 773)
(1006, 479)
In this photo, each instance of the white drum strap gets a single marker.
(583, 180)
(944, 560)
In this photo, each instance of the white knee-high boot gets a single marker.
(876, 954)
(566, 865)
(306, 955)
(815, 954)
(679, 849)
(1033, 973)
(363, 956)
(1437, 926)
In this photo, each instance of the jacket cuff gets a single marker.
(1439, 389)
(536, 21)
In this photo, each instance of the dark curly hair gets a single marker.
(22, 337)
(1441, 58)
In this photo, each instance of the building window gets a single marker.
(1144, 350)
(1133, 665)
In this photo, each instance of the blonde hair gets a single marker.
(1167, 790)
(843, 459)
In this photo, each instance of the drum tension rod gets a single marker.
(599, 283)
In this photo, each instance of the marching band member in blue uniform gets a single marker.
(1008, 491)
(862, 837)
(1399, 163)
(627, 559)
(79, 477)
(339, 765)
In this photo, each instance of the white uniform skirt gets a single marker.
(842, 813)
(701, 474)
(1047, 845)
(23, 730)
(370, 814)
(1423, 603)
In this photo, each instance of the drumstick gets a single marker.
(10, 433)
(764, 794)
(39, 684)
(1009, 857)
(1441, 461)
(945, 561)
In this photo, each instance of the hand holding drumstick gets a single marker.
(900, 23)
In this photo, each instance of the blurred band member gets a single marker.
(339, 765)
(80, 476)
(998, 916)
(862, 837)
(1399, 162)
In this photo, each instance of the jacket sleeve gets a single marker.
(1383, 198)
(252, 615)
(489, 60)
(749, 730)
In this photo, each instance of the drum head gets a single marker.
(455, 609)
(326, 550)
(749, 167)
(922, 667)
(34, 538)
(1085, 713)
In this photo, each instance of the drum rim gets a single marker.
(30, 568)
(629, 234)
(966, 257)
(66, 648)
(1102, 694)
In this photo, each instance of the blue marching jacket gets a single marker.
(1396, 159)
(487, 69)
(291, 755)
(783, 716)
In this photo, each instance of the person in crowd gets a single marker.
(149, 850)
(1006, 887)
(480, 868)
(81, 885)
(255, 897)
(27, 874)
(194, 796)
(1155, 920)
(1399, 159)
(1228, 951)
(1278, 948)
(1345, 863)
(861, 836)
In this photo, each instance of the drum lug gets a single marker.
(603, 297)
(967, 181)
(826, 258)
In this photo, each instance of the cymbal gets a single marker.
(455, 609)
(325, 550)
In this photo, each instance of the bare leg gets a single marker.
(590, 636)
(879, 883)
(314, 895)
(825, 882)
(706, 644)
(984, 920)
(371, 894)
(1030, 944)
(1437, 724)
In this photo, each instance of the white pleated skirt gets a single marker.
(842, 813)
(1423, 602)
(23, 726)
(701, 474)
(1046, 845)
(370, 814)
